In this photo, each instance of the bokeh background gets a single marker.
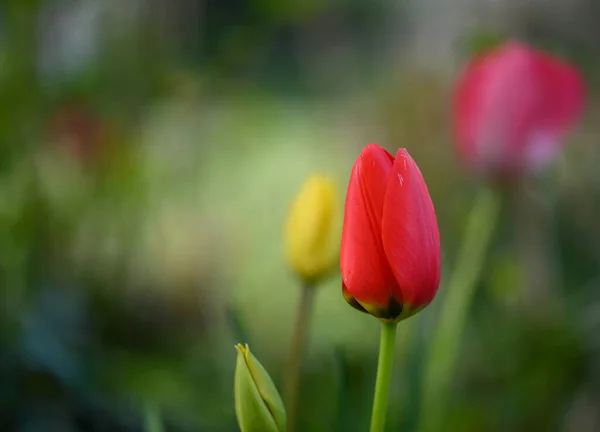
(149, 150)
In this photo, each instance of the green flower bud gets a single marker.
(258, 406)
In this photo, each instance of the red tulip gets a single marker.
(512, 108)
(390, 252)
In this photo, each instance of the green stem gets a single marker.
(152, 420)
(384, 375)
(445, 342)
(299, 340)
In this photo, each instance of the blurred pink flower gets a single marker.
(512, 108)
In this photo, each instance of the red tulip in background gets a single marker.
(512, 108)
(390, 251)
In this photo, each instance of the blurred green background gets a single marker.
(149, 150)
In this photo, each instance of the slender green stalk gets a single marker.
(341, 368)
(384, 375)
(445, 342)
(299, 340)
(152, 420)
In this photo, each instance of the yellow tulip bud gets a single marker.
(258, 406)
(311, 230)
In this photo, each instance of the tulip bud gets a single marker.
(311, 228)
(513, 107)
(390, 251)
(258, 406)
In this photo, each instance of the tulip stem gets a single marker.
(384, 374)
(299, 340)
(445, 341)
(152, 420)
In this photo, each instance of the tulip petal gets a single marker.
(410, 234)
(563, 94)
(351, 300)
(466, 108)
(513, 106)
(311, 245)
(497, 99)
(365, 271)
